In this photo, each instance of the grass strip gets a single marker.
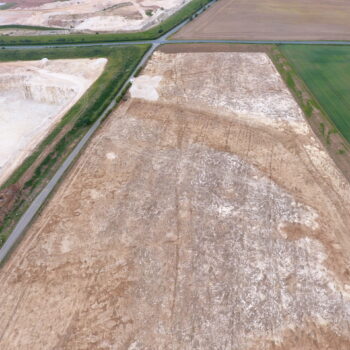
(19, 26)
(7, 5)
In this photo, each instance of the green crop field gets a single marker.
(325, 70)
(7, 5)
(19, 26)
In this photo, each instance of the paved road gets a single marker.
(44, 194)
(162, 41)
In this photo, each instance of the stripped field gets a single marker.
(203, 214)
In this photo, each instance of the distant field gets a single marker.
(6, 5)
(326, 72)
(272, 20)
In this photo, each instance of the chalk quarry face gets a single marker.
(203, 216)
(34, 95)
(93, 15)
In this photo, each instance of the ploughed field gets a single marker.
(34, 96)
(326, 72)
(272, 20)
(92, 15)
(204, 214)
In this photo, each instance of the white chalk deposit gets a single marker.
(94, 15)
(146, 87)
(33, 97)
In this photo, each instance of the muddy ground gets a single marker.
(272, 20)
(92, 15)
(204, 214)
(34, 96)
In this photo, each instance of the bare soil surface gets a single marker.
(214, 47)
(92, 15)
(331, 143)
(272, 20)
(34, 96)
(205, 214)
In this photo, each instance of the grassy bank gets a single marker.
(121, 62)
(7, 5)
(152, 33)
(18, 26)
(326, 72)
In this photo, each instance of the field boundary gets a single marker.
(314, 100)
(318, 119)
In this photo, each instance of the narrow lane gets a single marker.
(162, 41)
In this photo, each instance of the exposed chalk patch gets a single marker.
(111, 155)
(145, 87)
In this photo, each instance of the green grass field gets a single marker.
(23, 27)
(7, 5)
(325, 70)
(121, 62)
(152, 33)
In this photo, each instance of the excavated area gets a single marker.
(204, 214)
(34, 96)
(93, 15)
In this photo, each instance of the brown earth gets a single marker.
(272, 20)
(213, 47)
(8, 197)
(204, 214)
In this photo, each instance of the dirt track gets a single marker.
(272, 20)
(204, 214)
